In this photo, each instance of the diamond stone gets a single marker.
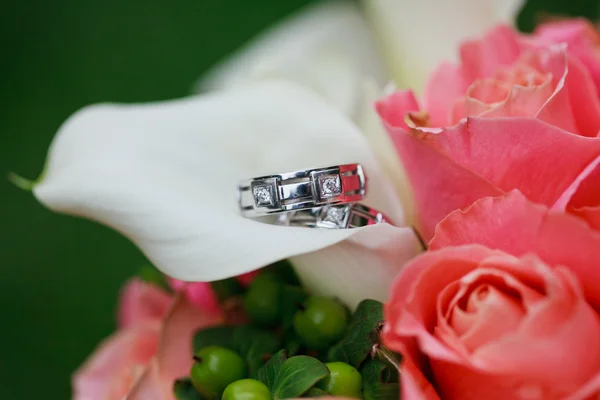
(335, 215)
(330, 186)
(262, 195)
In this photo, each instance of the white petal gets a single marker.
(327, 47)
(165, 175)
(415, 36)
(365, 264)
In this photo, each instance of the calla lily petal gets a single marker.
(327, 47)
(416, 36)
(165, 175)
(365, 264)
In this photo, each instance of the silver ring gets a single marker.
(334, 217)
(302, 190)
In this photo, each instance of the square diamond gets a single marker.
(336, 215)
(262, 195)
(329, 186)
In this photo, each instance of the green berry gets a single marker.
(263, 299)
(247, 389)
(215, 368)
(343, 380)
(320, 322)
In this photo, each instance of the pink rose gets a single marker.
(202, 295)
(506, 74)
(151, 348)
(581, 37)
(516, 322)
(532, 120)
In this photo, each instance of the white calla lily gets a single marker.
(342, 52)
(334, 45)
(327, 47)
(165, 175)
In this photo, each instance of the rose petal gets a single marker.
(547, 98)
(150, 386)
(175, 352)
(410, 312)
(112, 369)
(439, 103)
(526, 147)
(429, 171)
(553, 351)
(590, 214)
(517, 226)
(414, 385)
(581, 37)
(165, 175)
(141, 303)
(327, 47)
(481, 58)
(585, 188)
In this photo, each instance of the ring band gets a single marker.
(334, 217)
(302, 190)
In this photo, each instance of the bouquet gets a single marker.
(466, 268)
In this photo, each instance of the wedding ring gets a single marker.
(334, 217)
(302, 190)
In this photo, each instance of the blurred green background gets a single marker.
(60, 275)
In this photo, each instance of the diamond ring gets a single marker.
(334, 217)
(302, 190)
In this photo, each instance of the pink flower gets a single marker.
(516, 322)
(151, 349)
(142, 303)
(202, 295)
(582, 39)
(532, 120)
(506, 74)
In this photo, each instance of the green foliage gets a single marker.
(255, 346)
(380, 380)
(222, 335)
(227, 288)
(361, 335)
(292, 377)
(268, 372)
(183, 389)
(297, 375)
(534, 12)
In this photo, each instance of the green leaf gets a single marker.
(380, 380)
(381, 391)
(379, 371)
(222, 335)
(227, 288)
(316, 392)
(361, 335)
(267, 374)
(184, 390)
(297, 375)
(255, 346)
(534, 12)
(291, 342)
(285, 271)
